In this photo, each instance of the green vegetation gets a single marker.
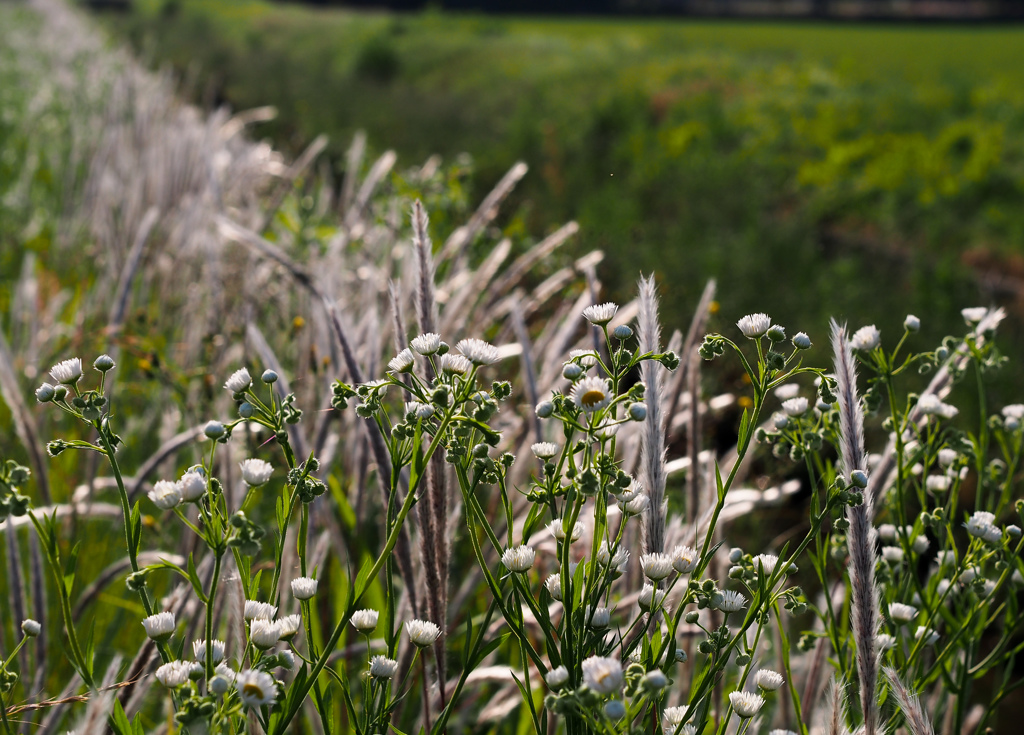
(847, 166)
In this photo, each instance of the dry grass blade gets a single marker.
(378, 171)
(24, 423)
(486, 212)
(522, 265)
(297, 169)
(131, 267)
(353, 160)
(164, 452)
(233, 231)
(115, 570)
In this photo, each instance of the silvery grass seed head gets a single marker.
(402, 362)
(173, 674)
(256, 688)
(603, 675)
(165, 494)
(159, 627)
(866, 338)
(477, 351)
(656, 566)
(256, 472)
(31, 628)
(557, 677)
(684, 559)
(45, 393)
(769, 680)
(256, 610)
(303, 588)
(901, 613)
(600, 314)
(746, 704)
(365, 621)
(382, 667)
(264, 634)
(519, 558)
(422, 633)
(239, 382)
(199, 651)
(288, 626)
(67, 372)
(591, 394)
(192, 485)
(426, 344)
(754, 325)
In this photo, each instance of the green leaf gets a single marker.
(193, 577)
(744, 428)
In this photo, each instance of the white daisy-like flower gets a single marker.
(781, 732)
(656, 566)
(938, 483)
(288, 626)
(558, 530)
(684, 559)
(911, 323)
(600, 313)
(746, 704)
(981, 525)
(172, 675)
(728, 601)
(382, 667)
(766, 562)
(887, 532)
(892, 554)
(968, 575)
(402, 362)
(866, 338)
(769, 680)
(264, 634)
(603, 675)
(239, 381)
(422, 633)
(787, 391)
(948, 457)
(255, 610)
(651, 598)
(426, 344)
(1014, 411)
(553, 584)
(586, 358)
(599, 617)
(544, 450)
(591, 394)
(193, 486)
(222, 669)
(256, 472)
(159, 627)
(973, 314)
(930, 636)
(199, 651)
(920, 544)
(67, 372)
(557, 677)
(672, 718)
(365, 621)
(636, 505)
(477, 351)
(455, 364)
(884, 641)
(795, 406)
(902, 613)
(303, 588)
(931, 405)
(519, 558)
(256, 688)
(754, 325)
(165, 494)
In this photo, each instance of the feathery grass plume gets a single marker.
(486, 212)
(526, 359)
(861, 536)
(512, 275)
(287, 182)
(376, 174)
(24, 423)
(835, 723)
(434, 517)
(652, 437)
(914, 715)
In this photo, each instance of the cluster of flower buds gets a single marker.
(12, 478)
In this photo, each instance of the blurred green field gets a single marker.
(852, 167)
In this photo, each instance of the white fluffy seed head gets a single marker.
(303, 588)
(365, 621)
(165, 494)
(239, 381)
(746, 704)
(422, 633)
(256, 472)
(769, 680)
(518, 558)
